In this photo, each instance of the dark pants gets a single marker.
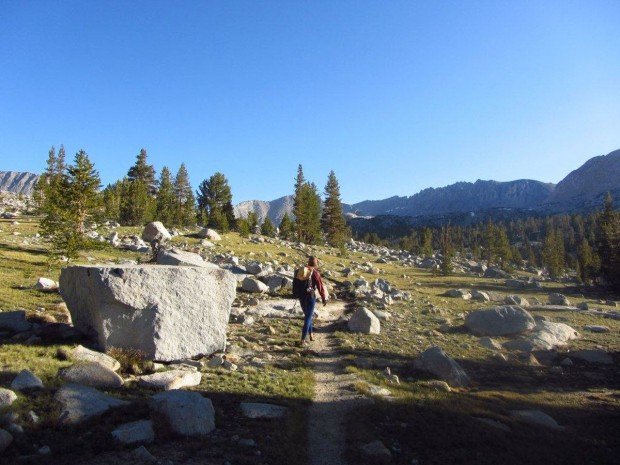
(307, 305)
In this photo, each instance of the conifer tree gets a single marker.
(166, 205)
(287, 228)
(609, 243)
(252, 220)
(298, 207)
(447, 250)
(112, 200)
(309, 223)
(138, 202)
(185, 211)
(243, 227)
(587, 261)
(332, 221)
(215, 199)
(427, 242)
(267, 228)
(76, 201)
(553, 253)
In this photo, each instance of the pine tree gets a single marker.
(488, 243)
(332, 221)
(298, 207)
(501, 246)
(587, 261)
(75, 202)
(287, 228)
(427, 242)
(166, 201)
(243, 227)
(447, 250)
(267, 228)
(142, 171)
(553, 253)
(309, 223)
(215, 199)
(252, 220)
(185, 212)
(609, 243)
(112, 198)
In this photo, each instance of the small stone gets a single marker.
(45, 450)
(556, 370)
(535, 417)
(216, 361)
(168, 380)
(26, 380)
(377, 452)
(262, 410)
(82, 354)
(597, 328)
(93, 375)
(15, 429)
(5, 439)
(7, 397)
(567, 362)
(143, 455)
(135, 432)
(188, 413)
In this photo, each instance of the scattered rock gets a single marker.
(489, 343)
(254, 285)
(434, 360)
(495, 273)
(178, 257)
(480, 295)
(135, 432)
(168, 380)
(597, 328)
(517, 300)
(212, 235)
(593, 356)
(378, 391)
(364, 321)
(459, 293)
(7, 397)
(91, 374)
(437, 385)
(558, 299)
(5, 439)
(83, 354)
(25, 381)
(535, 417)
(499, 321)
(167, 312)
(46, 285)
(155, 231)
(493, 423)
(262, 410)
(82, 402)
(187, 413)
(14, 321)
(376, 452)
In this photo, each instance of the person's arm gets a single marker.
(320, 287)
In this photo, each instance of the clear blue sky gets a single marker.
(394, 96)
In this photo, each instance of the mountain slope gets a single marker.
(586, 187)
(461, 197)
(18, 182)
(275, 209)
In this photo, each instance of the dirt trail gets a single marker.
(334, 395)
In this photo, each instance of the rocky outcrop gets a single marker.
(167, 312)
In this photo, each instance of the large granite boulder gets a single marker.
(500, 321)
(155, 231)
(168, 312)
(547, 335)
(211, 234)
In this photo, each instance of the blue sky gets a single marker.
(394, 96)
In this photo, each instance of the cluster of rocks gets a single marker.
(14, 205)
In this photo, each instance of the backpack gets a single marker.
(300, 286)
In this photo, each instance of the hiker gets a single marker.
(306, 284)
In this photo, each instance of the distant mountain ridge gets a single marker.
(582, 190)
(18, 182)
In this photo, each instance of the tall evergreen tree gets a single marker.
(252, 220)
(287, 228)
(427, 242)
(298, 207)
(185, 214)
(112, 199)
(309, 223)
(267, 228)
(553, 253)
(166, 205)
(142, 171)
(332, 221)
(447, 250)
(215, 199)
(76, 201)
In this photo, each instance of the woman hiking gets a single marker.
(311, 278)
